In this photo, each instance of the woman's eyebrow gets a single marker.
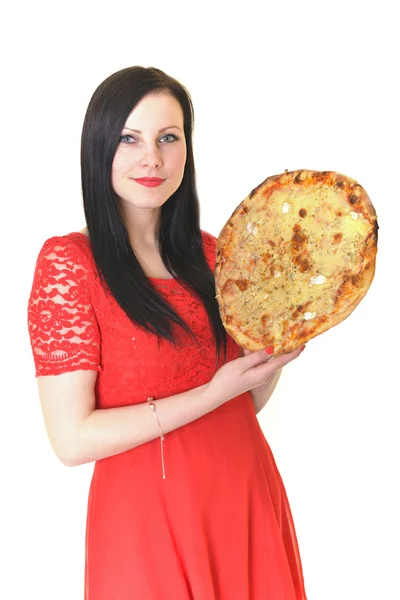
(161, 130)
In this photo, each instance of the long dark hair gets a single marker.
(179, 235)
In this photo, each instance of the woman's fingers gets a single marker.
(260, 357)
(284, 359)
(261, 372)
(252, 359)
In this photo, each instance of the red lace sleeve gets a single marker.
(62, 324)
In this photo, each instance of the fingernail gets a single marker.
(303, 348)
(269, 350)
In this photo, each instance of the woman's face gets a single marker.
(156, 149)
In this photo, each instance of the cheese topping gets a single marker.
(317, 280)
(309, 315)
(309, 239)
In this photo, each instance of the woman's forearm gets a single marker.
(262, 393)
(109, 431)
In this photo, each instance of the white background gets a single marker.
(286, 86)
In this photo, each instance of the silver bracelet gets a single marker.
(153, 408)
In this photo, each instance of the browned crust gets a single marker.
(348, 299)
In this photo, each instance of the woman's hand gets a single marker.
(245, 373)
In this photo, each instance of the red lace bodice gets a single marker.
(75, 323)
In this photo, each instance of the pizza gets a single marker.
(294, 259)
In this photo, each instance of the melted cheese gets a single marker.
(332, 245)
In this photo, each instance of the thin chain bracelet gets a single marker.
(153, 408)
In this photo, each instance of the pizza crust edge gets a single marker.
(358, 200)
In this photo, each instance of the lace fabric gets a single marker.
(75, 323)
(62, 325)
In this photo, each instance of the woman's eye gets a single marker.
(170, 135)
(124, 138)
(121, 139)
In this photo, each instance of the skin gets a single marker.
(149, 154)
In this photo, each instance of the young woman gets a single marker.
(136, 372)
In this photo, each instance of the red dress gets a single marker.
(219, 527)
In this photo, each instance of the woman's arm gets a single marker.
(79, 433)
(262, 393)
(109, 431)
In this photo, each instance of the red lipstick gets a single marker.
(150, 181)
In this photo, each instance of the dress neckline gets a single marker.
(155, 279)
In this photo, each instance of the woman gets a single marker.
(135, 371)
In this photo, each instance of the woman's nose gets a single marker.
(151, 157)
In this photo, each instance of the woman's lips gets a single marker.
(149, 181)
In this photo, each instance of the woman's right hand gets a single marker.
(245, 373)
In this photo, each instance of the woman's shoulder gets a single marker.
(75, 247)
(209, 247)
(209, 240)
(71, 239)
(69, 251)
